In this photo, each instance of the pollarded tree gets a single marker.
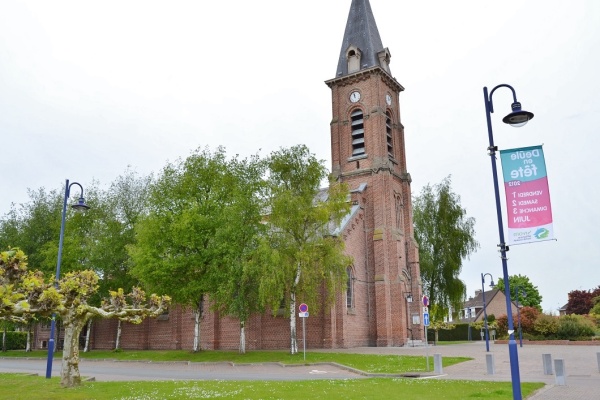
(24, 293)
(446, 236)
(304, 253)
(198, 231)
(528, 294)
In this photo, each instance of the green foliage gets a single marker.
(596, 308)
(546, 325)
(528, 296)
(446, 236)
(117, 210)
(459, 332)
(15, 340)
(574, 327)
(200, 231)
(304, 254)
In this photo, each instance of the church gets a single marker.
(382, 305)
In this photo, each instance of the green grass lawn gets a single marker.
(38, 387)
(17, 387)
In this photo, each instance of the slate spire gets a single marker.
(361, 32)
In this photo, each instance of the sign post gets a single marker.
(303, 314)
(426, 324)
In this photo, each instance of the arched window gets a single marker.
(350, 288)
(388, 131)
(358, 133)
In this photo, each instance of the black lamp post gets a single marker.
(516, 118)
(409, 298)
(485, 323)
(79, 206)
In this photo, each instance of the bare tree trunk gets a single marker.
(242, 337)
(294, 342)
(4, 339)
(118, 341)
(197, 316)
(28, 346)
(293, 335)
(87, 336)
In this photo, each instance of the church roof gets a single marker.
(361, 31)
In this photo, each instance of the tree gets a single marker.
(117, 210)
(596, 308)
(528, 296)
(33, 225)
(581, 301)
(234, 291)
(24, 293)
(446, 236)
(306, 258)
(198, 232)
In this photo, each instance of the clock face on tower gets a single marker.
(354, 96)
(388, 99)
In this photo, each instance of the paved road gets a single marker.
(581, 366)
(129, 371)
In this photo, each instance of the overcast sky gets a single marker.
(88, 88)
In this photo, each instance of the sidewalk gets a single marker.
(582, 376)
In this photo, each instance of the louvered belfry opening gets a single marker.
(358, 133)
(388, 131)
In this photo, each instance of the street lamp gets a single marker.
(487, 334)
(79, 206)
(409, 298)
(517, 292)
(516, 118)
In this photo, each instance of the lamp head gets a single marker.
(517, 117)
(409, 298)
(80, 205)
(492, 283)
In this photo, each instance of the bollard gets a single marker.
(489, 360)
(559, 368)
(598, 357)
(437, 363)
(547, 362)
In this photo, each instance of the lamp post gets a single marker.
(517, 293)
(485, 323)
(408, 297)
(79, 206)
(516, 118)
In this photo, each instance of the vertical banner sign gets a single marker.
(527, 196)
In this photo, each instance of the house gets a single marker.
(495, 304)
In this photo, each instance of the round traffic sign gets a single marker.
(303, 307)
(425, 301)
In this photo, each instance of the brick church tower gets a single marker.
(367, 148)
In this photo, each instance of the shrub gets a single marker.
(528, 317)
(574, 327)
(545, 326)
(15, 340)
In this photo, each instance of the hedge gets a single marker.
(459, 333)
(15, 340)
